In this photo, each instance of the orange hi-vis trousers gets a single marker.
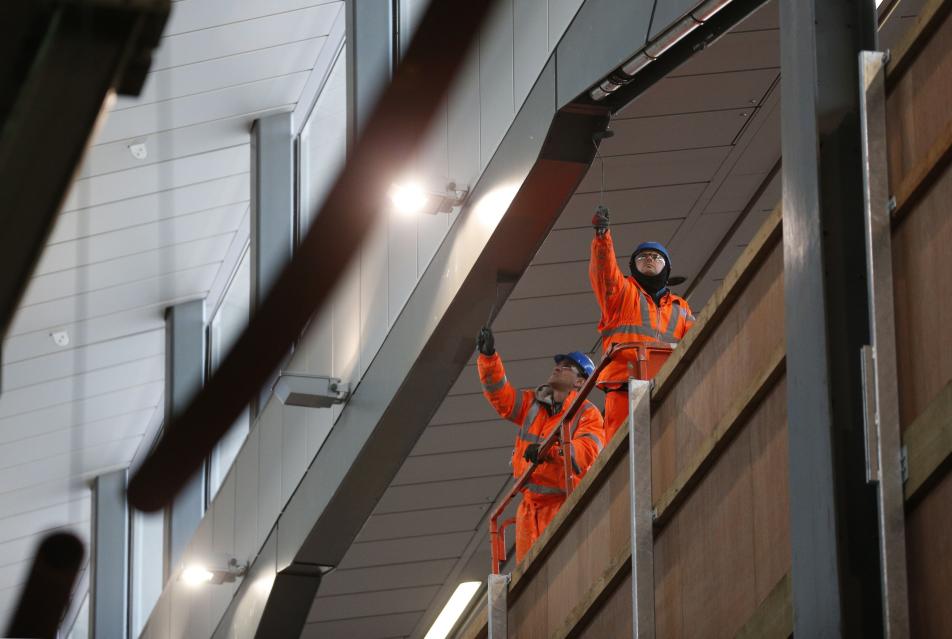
(532, 517)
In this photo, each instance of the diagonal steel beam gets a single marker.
(393, 132)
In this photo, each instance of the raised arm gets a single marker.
(603, 272)
(508, 402)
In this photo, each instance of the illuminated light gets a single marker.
(453, 609)
(492, 206)
(264, 583)
(195, 575)
(408, 198)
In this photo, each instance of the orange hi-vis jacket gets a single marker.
(629, 314)
(529, 410)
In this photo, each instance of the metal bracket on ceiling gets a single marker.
(310, 391)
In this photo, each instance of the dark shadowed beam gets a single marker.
(835, 563)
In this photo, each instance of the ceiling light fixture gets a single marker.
(410, 198)
(655, 48)
(453, 610)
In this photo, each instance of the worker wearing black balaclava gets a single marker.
(637, 308)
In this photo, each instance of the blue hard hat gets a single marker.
(581, 360)
(650, 246)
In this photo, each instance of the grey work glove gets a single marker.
(600, 220)
(485, 342)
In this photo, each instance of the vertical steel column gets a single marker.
(108, 595)
(184, 376)
(642, 518)
(884, 440)
(497, 591)
(272, 211)
(833, 523)
(369, 27)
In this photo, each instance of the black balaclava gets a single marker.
(655, 285)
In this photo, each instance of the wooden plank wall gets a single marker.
(719, 445)
(919, 117)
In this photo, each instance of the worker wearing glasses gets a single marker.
(637, 308)
(537, 413)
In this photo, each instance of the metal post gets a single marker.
(184, 376)
(497, 591)
(642, 518)
(835, 556)
(370, 26)
(108, 600)
(881, 376)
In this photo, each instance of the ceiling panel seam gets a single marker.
(170, 34)
(322, 36)
(159, 163)
(167, 190)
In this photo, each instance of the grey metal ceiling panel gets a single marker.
(667, 12)
(449, 466)
(692, 94)
(194, 16)
(415, 575)
(655, 169)
(575, 244)
(690, 254)
(735, 192)
(424, 522)
(606, 43)
(574, 308)
(674, 132)
(445, 439)
(408, 549)
(736, 51)
(369, 604)
(632, 205)
(379, 627)
(561, 278)
(767, 17)
(764, 149)
(458, 492)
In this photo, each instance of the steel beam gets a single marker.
(108, 594)
(370, 27)
(642, 520)
(835, 556)
(184, 375)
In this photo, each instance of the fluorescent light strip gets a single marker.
(453, 610)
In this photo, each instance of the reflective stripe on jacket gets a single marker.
(528, 410)
(629, 314)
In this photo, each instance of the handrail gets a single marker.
(497, 541)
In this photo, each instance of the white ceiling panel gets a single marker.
(690, 94)
(44, 495)
(95, 356)
(733, 53)
(167, 289)
(28, 345)
(423, 522)
(563, 245)
(16, 549)
(89, 384)
(464, 409)
(447, 466)
(409, 549)
(632, 205)
(62, 441)
(445, 439)
(369, 604)
(424, 573)
(131, 268)
(178, 231)
(655, 169)
(219, 73)
(30, 523)
(167, 145)
(14, 574)
(460, 492)
(205, 196)
(275, 93)
(238, 37)
(378, 626)
(193, 15)
(67, 415)
(134, 182)
(673, 132)
(78, 463)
